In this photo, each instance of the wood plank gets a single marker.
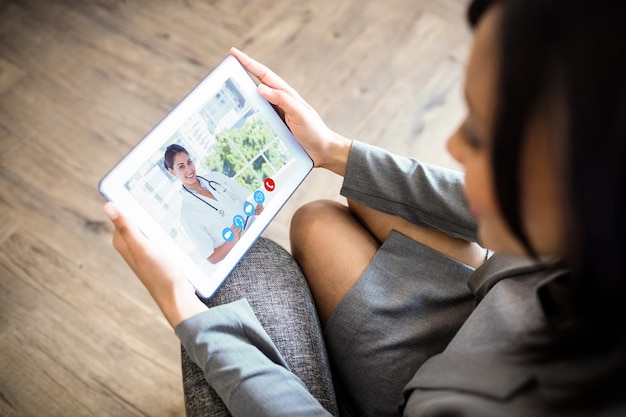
(75, 384)
(8, 225)
(83, 293)
(9, 75)
(72, 225)
(392, 103)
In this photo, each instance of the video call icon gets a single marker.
(239, 221)
(259, 197)
(269, 184)
(228, 234)
(248, 208)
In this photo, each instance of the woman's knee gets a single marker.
(311, 221)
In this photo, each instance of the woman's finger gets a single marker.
(263, 73)
(291, 106)
(113, 214)
(126, 239)
(121, 224)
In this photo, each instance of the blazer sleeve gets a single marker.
(420, 193)
(242, 364)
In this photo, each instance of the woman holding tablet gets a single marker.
(212, 209)
(419, 321)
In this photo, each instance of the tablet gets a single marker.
(210, 177)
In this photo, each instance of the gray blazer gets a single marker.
(485, 369)
(482, 372)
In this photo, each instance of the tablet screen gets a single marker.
(208, 179)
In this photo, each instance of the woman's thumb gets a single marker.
(111, 211)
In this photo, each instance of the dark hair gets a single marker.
(567, 60)
(170, 154)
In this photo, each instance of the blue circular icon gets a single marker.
(259, 197)
(228, 234)
(248, 208)
(239, 221)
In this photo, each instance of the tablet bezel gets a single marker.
(205, 277)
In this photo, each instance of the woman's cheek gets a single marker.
(478, 188)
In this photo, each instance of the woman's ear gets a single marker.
(171, 171)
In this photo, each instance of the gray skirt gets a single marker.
(405, 308)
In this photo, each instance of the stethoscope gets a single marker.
(212, 184)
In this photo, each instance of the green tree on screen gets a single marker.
(249, 153)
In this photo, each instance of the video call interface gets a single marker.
(227, 136)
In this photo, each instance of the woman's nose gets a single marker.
(454, 146)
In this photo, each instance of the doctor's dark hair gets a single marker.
(170, 154)
(565, 61)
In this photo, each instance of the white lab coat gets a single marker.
(203, 218)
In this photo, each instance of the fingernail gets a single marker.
(110, 211)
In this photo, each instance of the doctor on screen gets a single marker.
(212, 211)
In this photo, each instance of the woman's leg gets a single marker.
(334, 244)
(381, 224)
(271, 281)
(383, 318)
(332, 248)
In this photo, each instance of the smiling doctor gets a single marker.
(212, 210)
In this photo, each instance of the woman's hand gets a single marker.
(160, 274)
(327, 148)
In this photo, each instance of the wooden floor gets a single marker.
(81, 81)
